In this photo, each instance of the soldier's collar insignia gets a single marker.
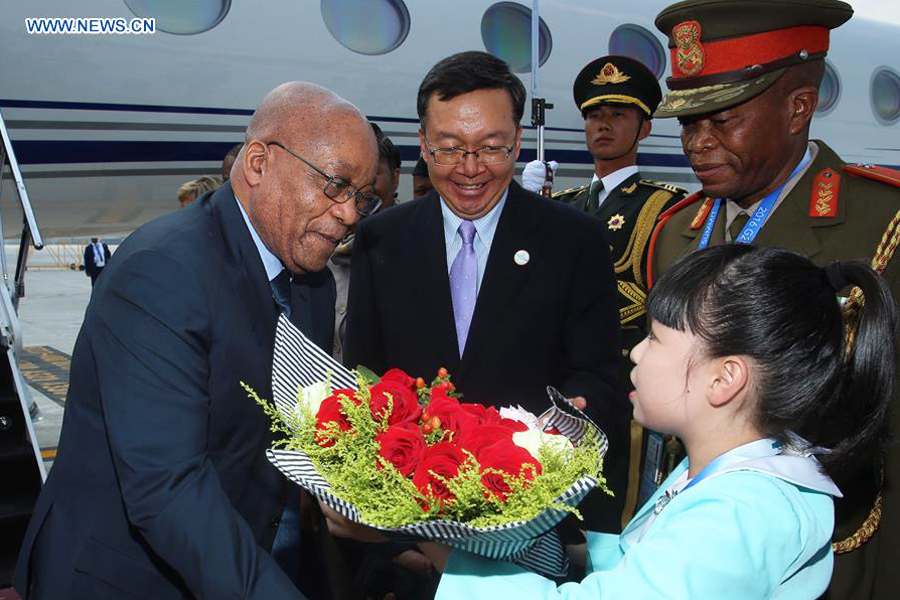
(701, 215)
(610, 74)
(629, 189)
(689, 56)
(616, 222)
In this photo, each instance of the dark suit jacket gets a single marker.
(552, 321)
(161, 488)
(90, 265)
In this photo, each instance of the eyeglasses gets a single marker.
(339, 189)
(449, 157)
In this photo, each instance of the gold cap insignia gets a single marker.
(689, 56)
(610, 74)
(616, 222)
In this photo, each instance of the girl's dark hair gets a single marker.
(466, 72)
(779, 309)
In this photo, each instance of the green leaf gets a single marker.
(366, 376)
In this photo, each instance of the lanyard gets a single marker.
(755, 223)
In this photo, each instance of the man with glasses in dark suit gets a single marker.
(509, 292)
(161, 488)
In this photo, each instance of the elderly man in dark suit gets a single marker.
(161, 488)
(507, 291)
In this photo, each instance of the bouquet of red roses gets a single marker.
(409, 458)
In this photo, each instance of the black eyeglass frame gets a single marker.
(465, 154)
(336, 186)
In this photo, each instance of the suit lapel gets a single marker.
(503, 277)
(312, 307)
(432, 308)
(248, 274)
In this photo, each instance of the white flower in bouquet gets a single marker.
(533, 439)
(311, 396)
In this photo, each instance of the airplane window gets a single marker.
(374, 27)
(886, 95)
(182, 18)
(506, 33)
(829, 90)
(640, 44)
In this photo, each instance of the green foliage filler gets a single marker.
(386, 498)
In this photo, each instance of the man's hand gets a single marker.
(535, 173)
(579, 402)
(309, 512)
(415, 561)
(436, 553)
(340, 526)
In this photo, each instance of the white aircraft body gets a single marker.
(107, 126)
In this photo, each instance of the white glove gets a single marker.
(535, 173)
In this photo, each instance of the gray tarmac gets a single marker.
(50, 314)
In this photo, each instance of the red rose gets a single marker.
(452, 416)
(444, 460)
(440, 390)
(510, 459)
(476, 410)
(400, 377)
(513, 424)
(476, 439)
(403, 446)
(330, 412)
(406, 402)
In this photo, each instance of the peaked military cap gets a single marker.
(617, 80)
(724, 52)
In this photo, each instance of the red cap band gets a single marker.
(733, 54)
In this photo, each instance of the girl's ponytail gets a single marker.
(851, 427)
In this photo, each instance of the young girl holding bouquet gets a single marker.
(745, 363)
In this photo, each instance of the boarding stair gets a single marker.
(22, 469)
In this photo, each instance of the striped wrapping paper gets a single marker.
(532, 544)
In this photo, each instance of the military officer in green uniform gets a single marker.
(617, 96)
(744, 86)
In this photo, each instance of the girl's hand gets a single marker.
(340, 526)
(436, 553)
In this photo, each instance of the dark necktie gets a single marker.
(593, 202)
(734, 230)
(281, 292)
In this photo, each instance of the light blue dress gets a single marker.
(758, 528)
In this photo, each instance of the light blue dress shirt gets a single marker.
(485, 228)
(271, 262)
(750, 532)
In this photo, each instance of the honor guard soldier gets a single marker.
(617, 96)
(744, 86)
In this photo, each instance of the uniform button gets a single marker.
(342, 309)
(275, 522)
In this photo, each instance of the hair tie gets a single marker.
(835, 274)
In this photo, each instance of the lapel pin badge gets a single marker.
(522, 257)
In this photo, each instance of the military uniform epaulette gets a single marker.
(882, 174)
(663, 186)
(574, 190)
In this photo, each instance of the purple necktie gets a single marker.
(463, 283)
